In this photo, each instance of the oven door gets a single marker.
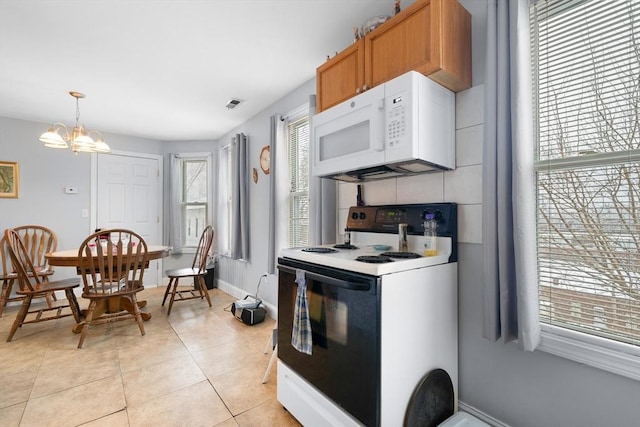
(343, 310)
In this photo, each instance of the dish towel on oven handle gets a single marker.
(301, 334)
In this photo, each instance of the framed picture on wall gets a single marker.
(8, 180)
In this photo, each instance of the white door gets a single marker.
(129, 195)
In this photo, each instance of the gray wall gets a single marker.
(245, 275)
(43, 174)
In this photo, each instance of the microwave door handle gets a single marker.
(378, 140)
(354, 286)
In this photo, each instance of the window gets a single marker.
(586, 69)
(298, 148)
(194, 198)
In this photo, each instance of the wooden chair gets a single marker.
(197, 287)
(38, 241)
(32, 285)
(112, 274)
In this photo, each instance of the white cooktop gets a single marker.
(345, 259)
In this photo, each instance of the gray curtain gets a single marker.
(322, 199)
(175, 204)
(240, 197)
(508, 210)
(276, 145)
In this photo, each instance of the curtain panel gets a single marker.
(278, 191)
(240, 197)
(508, 211)
(175, 204)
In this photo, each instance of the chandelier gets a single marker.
(80, 140)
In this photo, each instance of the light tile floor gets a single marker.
(198, 367)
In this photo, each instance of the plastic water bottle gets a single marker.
(430, 235)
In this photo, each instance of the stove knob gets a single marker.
(354, 215)
(362, 215)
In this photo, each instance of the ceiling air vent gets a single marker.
(233, 103)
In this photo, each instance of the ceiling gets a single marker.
(165, 69)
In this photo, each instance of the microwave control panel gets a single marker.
(396, 119)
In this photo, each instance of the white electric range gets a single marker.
(382, 322)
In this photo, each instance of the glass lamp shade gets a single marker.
(84, 141)
(52, 139)
(101, 147)
(80, 139)
(77, 148)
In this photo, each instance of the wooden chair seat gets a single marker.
(31, 286)
(50, 286)
(197, 288)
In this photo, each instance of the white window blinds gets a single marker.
(586, 76)
(298, 143)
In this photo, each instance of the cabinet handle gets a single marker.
(365, 87)
(358, 90)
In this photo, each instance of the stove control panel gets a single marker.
(385, 219)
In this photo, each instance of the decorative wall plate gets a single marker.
(265, 159)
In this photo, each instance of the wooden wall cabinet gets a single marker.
(432, 37)
(341, 77)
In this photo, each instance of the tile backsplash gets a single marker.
(462, 185)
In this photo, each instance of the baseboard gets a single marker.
(480, 415)
(240, 294)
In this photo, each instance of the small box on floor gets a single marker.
(248, 312)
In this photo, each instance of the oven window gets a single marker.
(328, 317)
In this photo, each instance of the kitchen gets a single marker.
(507, 385)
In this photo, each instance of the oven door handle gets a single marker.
(354, 286)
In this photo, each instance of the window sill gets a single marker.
(601, 353)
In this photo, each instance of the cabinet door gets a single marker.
(432, 37)
(341, 77)
(404, 43)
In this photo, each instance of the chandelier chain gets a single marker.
(77, 111)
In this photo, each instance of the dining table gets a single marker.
(71, 258)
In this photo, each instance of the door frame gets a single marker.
(93, 204)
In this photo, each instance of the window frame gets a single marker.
(190, 157)
(592, 350)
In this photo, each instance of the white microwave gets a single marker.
(405, 126)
